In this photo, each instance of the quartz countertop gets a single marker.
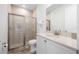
(62, 40)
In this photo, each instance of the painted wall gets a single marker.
(71, 18)
(3, 27)
(78, 27)
(41, 18)
(34, 13)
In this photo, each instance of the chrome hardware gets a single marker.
(45, 41)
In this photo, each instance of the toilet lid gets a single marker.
(32, 41)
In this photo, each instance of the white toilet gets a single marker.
(32, 44)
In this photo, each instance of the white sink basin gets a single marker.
(52, 35)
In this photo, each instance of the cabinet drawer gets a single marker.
(41, 45)
(46, 46)
(56, 48)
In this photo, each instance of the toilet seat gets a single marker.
(32, 44)
(32, 41)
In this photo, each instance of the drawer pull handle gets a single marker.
(45, 41)
(4, 46)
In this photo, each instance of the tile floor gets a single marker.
(20, 50)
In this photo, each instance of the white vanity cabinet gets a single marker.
(47, 46)
(56, 48)
(41, 45)
(0, 48)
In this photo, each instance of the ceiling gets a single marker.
(52, 7)
(29, 7)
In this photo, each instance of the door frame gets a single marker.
(8, 28)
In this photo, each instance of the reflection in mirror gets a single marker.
(47, 25)
(61, 19)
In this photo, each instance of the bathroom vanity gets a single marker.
(48, 43)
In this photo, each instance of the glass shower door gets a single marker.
(16, 31)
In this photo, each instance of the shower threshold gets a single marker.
(20, 50)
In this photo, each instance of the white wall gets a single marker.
(64, 18)
(34, 13)
(78, 26)
(71, 18)
(3, 26)
(41, 18)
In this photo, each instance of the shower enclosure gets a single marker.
(21, 29)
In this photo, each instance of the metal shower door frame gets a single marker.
(8, 28)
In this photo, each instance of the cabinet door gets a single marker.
(54, 48)
(0, 47)
(41, 45)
